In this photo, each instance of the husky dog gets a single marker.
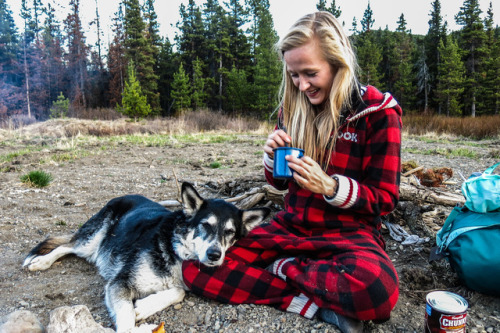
(138, 247)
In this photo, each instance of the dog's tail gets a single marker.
(47, 247)
(49, 244)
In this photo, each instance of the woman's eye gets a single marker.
(311, 74)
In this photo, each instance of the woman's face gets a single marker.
(310, 71)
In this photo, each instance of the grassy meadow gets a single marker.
(72, 138)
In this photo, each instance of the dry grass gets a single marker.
(193, 122)
(478, 128)
(203, 121)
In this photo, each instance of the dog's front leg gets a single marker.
(119, 302)
(156, 302)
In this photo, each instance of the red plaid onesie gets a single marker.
(323, 252)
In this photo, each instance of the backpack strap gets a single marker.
(490, 169)
(463, 220)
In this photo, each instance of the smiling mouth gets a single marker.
(312, 92)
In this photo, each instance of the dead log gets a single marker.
(433, 195)
(409, 190)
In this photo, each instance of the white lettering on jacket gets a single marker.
(348, 136)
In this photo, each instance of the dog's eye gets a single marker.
(229, 232)
(206, 226)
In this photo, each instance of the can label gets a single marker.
(445, 312)
(448, 323)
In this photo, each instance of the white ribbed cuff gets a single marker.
(347, 193)
(268, 163)
(303, 306)
(278, 267)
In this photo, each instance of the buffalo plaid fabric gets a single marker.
(320, 251)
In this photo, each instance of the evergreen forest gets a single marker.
(222, 59)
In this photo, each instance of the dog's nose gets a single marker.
(213, 254)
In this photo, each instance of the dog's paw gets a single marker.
(143, 309)
(36, 263)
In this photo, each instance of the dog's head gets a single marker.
(212, 226)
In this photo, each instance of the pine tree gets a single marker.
(29, 36)
(152, 24)
(168, 65)
(153, 34)
(134, 102)
(404, 90)
(492, 80)
(367, 21)
(117, 64)
(9, 43)
(10, 89)
(472, 39)
(191, 35)
(181, 91)
(490, 87)
(98, 44)
(321, 5)
(142, 52)
(435, 34)
(217, 47)
(237, 90)
(37, 10)
(368, 50)
(423, 78)
(239, 59)
(403, 85)
(239, 44)
(354, 28)
(390, 59)
(451, 77)
(199, 96)
(53, 68)
(267, 68)
(369, 57)
(77, 57)
(59, 107)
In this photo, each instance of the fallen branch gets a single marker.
(412, 171)
(409, 190)
(429, 194)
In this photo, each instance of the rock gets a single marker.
(21, 321)
(76, 318)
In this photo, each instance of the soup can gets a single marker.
(445, 312)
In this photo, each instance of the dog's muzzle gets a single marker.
(214, 255)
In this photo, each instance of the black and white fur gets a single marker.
(138, 247)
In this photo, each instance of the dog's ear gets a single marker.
(252, 217)
(191, 200)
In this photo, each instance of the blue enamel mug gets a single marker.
(281, 170)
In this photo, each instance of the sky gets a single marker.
(285, 12)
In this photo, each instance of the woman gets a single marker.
(324, 254)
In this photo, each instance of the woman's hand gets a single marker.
(276, 139)
(309, 175)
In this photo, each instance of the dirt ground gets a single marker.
(89, 173)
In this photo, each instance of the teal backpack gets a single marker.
(470, 236)
(471, 242)
(482, 192)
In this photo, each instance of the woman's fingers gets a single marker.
(276, 139)
(308, 174)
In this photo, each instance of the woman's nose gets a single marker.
(303, 84)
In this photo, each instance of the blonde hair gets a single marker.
(309, 127)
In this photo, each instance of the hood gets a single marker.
(373, 101)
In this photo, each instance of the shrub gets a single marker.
(135, 104)
(37, 179)
(60, 107)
